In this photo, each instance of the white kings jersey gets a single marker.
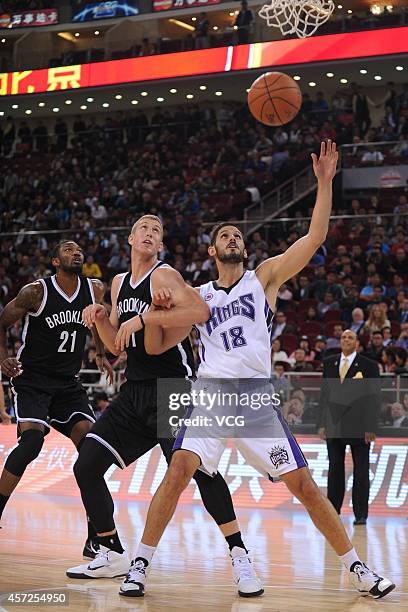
(236, 339)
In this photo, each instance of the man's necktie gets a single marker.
(344, 369)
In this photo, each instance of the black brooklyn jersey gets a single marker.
(135, 299)
(54, 336)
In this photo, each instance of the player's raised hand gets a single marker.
(105, 368)
(325, 165)
(11, 367)
(93, 313)
(162, 298)
(124, 335)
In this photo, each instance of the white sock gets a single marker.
(349, 558)
(146, 552)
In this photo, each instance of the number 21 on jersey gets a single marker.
(65, 337)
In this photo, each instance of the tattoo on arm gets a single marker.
(28, 300)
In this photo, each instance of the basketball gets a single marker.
(274, 98)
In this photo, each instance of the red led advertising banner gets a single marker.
(208, 61)
(51, 473)
(29, 19)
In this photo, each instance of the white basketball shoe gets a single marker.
(107, 564)
(134, 583)
(244, 573)
(368, 582)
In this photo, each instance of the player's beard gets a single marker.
(74, 268)
(234, 257)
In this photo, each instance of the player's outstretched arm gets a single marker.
(106, 326)
(157, 340)
(187, 307)
(277, 270)
(103, 364)
(27, 300)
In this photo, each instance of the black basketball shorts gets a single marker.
(128, 427)
(53, 402)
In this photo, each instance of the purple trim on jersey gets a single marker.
(296, 450)
(180, 436)
(201, 344)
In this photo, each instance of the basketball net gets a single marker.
(300, 17)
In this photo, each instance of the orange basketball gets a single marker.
(274, 98)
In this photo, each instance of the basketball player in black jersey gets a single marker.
(44, 380)
(128, 428)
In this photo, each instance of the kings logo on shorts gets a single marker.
(278, 456)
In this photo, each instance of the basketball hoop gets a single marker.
(300, 17)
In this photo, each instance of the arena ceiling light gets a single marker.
(182, 24)
(194, 19)
(14, 106)
(215, 28)
(83, 107)
(189, 96)
(330, 75)
(118, 97)
(41, 104)
(105, 105)
(3, 40)
(68, 102)
(144, 93)
(28, 111)
(296, 77)
(376, 9)
(1, 113)
(97, 32)
(134, 102)
(399, 68)
(312, 84)
(349, 11)
(363, 71)
(67, 36)
(90, 99)
(203, 87)
(339, 6)
(343, 81)
(173, 90)
(218, 93)
(55, 109)
(160, 99)
(378, 77)
(76, 34)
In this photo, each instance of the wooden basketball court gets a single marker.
(43, 535)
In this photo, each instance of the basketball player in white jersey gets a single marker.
(236, 344)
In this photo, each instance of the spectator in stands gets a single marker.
(304, 344)
(327, 304)
(100, 403)
(299, 361)
(201, 32)
(301, 285)
(91, 269)
(277, 353)
(98, 211)
(399, 415)
(387, 361)
(372, 157)
(257, 257)
(280, 326)
(333, 342)
(376, 319)
(118, 262)
(89, 363)
(244, 22)
(375, 346)
(147, 48)
(293, 411)
(320, 348)
(360, 104)
(312, 314)
(61, 132)
(357, 320)
(399, 263)
(280, 381)
(387, 336)
(401, 364)
(25, 270)
(402, 340)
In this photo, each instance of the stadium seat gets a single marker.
(310, 328)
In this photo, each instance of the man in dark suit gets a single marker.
(280, 326)
(349, 411)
